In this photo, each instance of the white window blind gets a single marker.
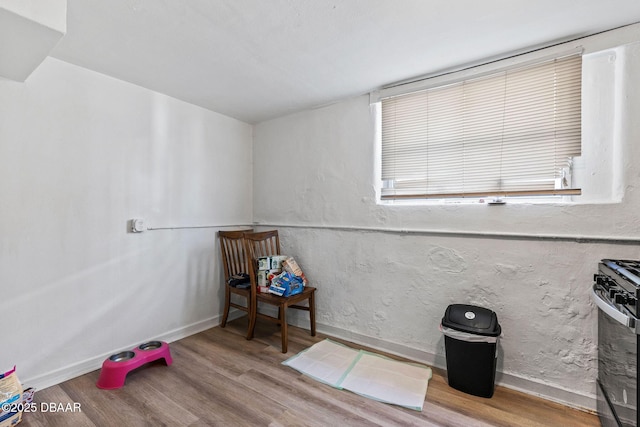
(514, 132)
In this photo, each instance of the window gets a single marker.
(509, 133)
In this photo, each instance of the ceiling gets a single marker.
(259, 59)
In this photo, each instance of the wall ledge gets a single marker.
(620, 240)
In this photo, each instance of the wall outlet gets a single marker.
(137, 225)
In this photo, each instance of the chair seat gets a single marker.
(293, 299)
(240, 291)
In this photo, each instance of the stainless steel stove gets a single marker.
(616, 290)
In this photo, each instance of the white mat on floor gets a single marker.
(364, 373)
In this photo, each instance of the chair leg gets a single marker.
(253, 314)
(283, 327)
(312, 313)
(227, 301)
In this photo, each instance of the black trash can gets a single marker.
(470, 339)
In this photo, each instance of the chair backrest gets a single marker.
(263, 243)
(234, 256)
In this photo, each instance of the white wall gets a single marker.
(80, 154)
(379, 285)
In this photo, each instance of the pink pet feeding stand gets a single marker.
(115, 368)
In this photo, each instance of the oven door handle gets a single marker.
(626, 319)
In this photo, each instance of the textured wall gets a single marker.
(396, 287)
(314, 177)
(81, 154)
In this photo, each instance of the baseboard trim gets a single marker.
(526, 385)
(57, 376)
(515, 382)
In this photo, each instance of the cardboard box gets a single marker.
(262, 278)
(264, 263)
(292, 267)
(273, 262)
(286, 285)
(277, 260)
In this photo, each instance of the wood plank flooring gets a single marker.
(220, 379)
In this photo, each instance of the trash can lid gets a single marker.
(472, 319)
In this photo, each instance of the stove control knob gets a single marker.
(621, 299)
(602, 280)
(613, 292)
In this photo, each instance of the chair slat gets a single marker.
(235, 260)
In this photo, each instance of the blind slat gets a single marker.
(511, 131)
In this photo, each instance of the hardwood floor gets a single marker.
(220, 379)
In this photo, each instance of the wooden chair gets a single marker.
(267, 243)
(235, 261)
